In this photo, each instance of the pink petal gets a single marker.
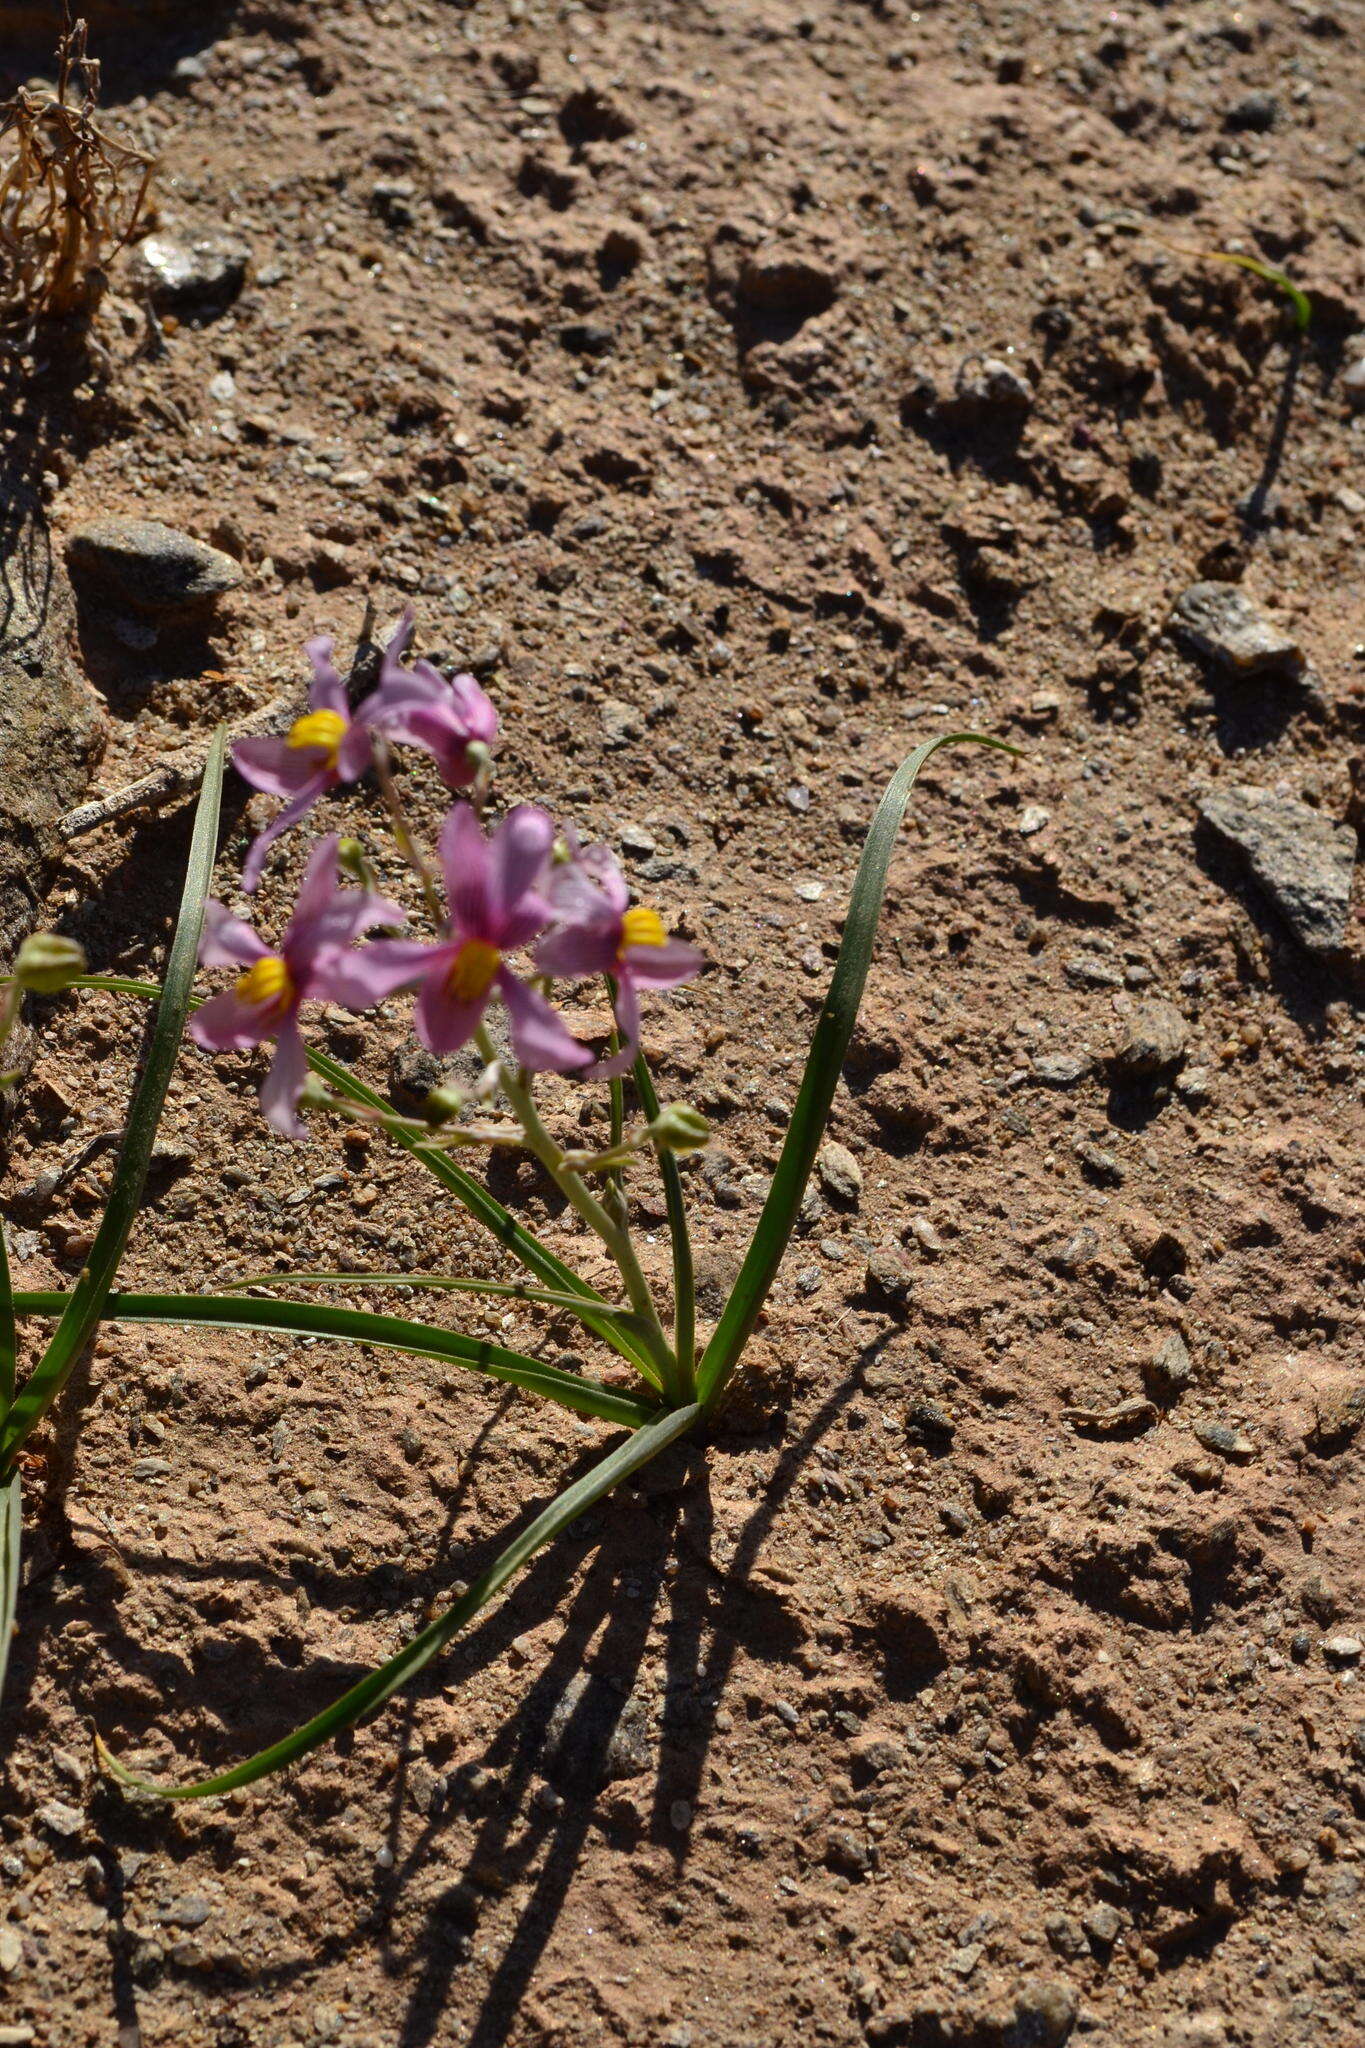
(465, 861)
(355, 753)
(226, 1024)
(360, 977)
(581, 949)
(226, 941)
(328, 692)
(290, 815)
(444, 1025)
(628, 1029)
(319, 885)
(661, 966)
(276, 767)
(539, 1038)
(283, 1085)
(517, 855)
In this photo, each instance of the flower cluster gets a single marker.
(519, 889)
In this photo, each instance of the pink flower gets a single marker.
(323, 748)
(493, 890)
(599, 933)
(419, 706)
(315, 963)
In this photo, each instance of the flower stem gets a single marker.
(614, 1235)
(405, 837)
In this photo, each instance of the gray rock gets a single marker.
(787, 283)
(1255, 113)
(49, 717)
(191, 1911)
(1302, 860)
(1061, 1069)
(60, 1819)
(889, 1279)
(1342, 1649)
(1225, 1441)
(1353, 382)
(621, 723)
(1171, 1369)
(190, 270)
(840, 1174)
(1044, 2014)
(593, 1736)
(1153, 1042)
(1220, 621)
(986, 384)
(153, 568)
(1104, 1924)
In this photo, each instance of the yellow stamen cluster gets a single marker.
(642, 927)
(472, 971)
(267, 980)
(324, 729)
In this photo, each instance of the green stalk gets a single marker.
(684, 1278)
(357, 1326)
(85, 1304)
(823, 1066)
(615, 1236)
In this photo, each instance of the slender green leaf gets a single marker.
(598, 1314)
(85, 1304)
(684, 1278)
(380, 1684)
(1298, 299)
(444, 1283)
(358, 1326)
(486, 1209)
(823, 1064)
(11, 1511)
(8, 1341)
(11, 1535)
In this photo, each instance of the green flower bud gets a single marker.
(46, 963)
(678, 1128)
(314, 1094)
(443, 1104)
(351, 860)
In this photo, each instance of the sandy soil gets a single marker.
(640, 348)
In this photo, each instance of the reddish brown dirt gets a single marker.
(938, 1714)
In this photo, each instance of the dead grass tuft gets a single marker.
(71, 194)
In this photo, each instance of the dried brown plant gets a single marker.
(71, 194)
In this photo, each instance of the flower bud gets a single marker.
(443, 1104)
(314, 1094)
(678, 1128)
(351, 860)
(47, 963)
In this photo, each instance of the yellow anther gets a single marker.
(472, 971)
(324, 729)
(642, 927)
(267, 980)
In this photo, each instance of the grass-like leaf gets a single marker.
(359, 1326)
(448, 1283)
(11, 1504)
(378, 1685)
(684, 1278)
(11, 1531)
(821, 1076)
(1299, 300)
(597, 1313)
(83, 1307)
